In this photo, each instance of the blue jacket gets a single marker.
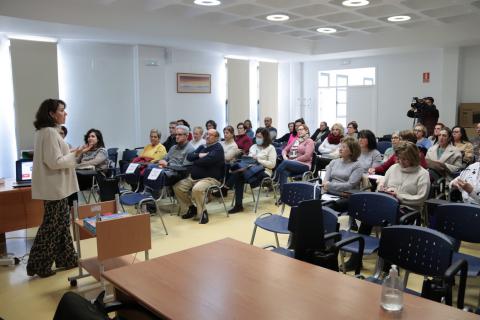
(210, 166)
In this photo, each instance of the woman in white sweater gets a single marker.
(53, 180)
(264, 152)
(230, 147)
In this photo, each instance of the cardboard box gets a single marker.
(468, 114)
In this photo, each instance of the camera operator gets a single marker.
(425, 111)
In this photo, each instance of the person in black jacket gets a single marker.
(426, 112)
(171, 140)
(321, 133)
(208, 169)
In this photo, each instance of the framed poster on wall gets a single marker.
(194, 83)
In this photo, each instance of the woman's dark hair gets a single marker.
(184, 122)
(301, 120)
(247, 123)
(65, 131)
(213, 123)
(43, 118)
(370, 136)
(354, 124)
(408, 135)
(229, 129)
(266, 136)
(449, 133)
(463, 133)
(241, 124)
(293, 124)
(100, 143)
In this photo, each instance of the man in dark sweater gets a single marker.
(171, 140)
(208, 169)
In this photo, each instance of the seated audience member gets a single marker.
(96, 158)
(436, 131)
(352, 129)
(208, 168)
(210, 124)
(272, 130)
(197, 140)
(297, 156)
(460, 141)
(344, 173)
(171, 140)
(443, 158)
(154, 151)
(476, 143)
(369, 157)
(230, 148)
(320, 134)
(243, 141)
(248, 129)
(297, 123)
(330, 145)
(264, 153)
(284, 139)
(63, 132)
(390, 151)
(421, 134)
(468, 182)
(404, 135)
(183, 122)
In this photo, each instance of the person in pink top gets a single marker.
(297, 156)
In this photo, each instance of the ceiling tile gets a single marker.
(382, 10)
(362, 24)
(176, 10)
(217, 17)
(283, 4)
(447, 11)
(414, 18)
(304, 23)
(314, 10)
(339, 3)
(339, 28)
(316, 38)
(274, 28)
(340, 17)
(426, 4)
(418, 24)
(246, 10)
(379, 29)
(474, 17)
(345, 34)
(264, 16)
(298, 33)
(249, 23)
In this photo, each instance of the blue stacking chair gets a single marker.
(382, 146)
(461, 221)
(426, 252)
(131, 198)
(292, 194)
(376, 210)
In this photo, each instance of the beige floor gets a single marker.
(22, 297)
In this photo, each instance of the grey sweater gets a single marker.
(343, 175)
(370, 159)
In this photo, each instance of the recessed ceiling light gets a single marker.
(399, 18)
(326, 30)
(277, 17)
(355, 3)
(207, 2)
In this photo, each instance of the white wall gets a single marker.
(399, 78)
(469, 75)
(268, 92)
(289, 95)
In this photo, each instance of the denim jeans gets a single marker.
(289, 168)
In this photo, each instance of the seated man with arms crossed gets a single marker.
(208, 169)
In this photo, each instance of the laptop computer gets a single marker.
(23, 173)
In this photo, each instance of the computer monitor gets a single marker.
(24, 170)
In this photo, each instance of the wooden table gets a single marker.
(229, 279)
(17, 210)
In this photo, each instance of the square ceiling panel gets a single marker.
(362, 24)
(217, 17)
(316, 38)
(340, 17)
(338, 28)
(379, 29)
(426, 4)
(382, 10)
(176, 10)
(413, 18)
(339, 3)
(282, 4)
(249, 23)
(345, 34)
(298, 33)
(246, 10)
(314, 10)
(419, 24)
(447, 11)
(474, 17)
(303, 23)
(274, 28)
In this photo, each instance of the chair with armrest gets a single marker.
(292, 194)
(425, 252)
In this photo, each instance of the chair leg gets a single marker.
(253, 194)
(161, 218)
(258, 197)
(223, 201)
(253, 234)
(276, 240)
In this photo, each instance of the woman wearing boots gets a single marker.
(53, 180)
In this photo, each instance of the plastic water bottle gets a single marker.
(392, 291)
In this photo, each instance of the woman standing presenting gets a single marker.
(53, 180)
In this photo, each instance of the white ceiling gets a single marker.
(239, 26)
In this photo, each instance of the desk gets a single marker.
(229, 279)
(17, 210)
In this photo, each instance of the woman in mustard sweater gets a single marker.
(155, 150)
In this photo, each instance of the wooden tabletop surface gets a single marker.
(228, 279)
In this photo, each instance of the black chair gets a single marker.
(107, 186)
(425, 252)
(382, 146)
(127, 157)
(113, 157)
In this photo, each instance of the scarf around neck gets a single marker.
(334, 139)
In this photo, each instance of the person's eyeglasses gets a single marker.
(181, 134)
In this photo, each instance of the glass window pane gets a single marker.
(342, 81)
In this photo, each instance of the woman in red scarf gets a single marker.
(329, 146)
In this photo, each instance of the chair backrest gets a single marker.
(113, 156)
(134, 176)
(459, 220)
(382, 146)
(374, 208)
(417, 249)
(330, 220)
(294, 192)
(128, 155)
(154, 178)
(108, 187)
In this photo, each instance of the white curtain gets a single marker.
(8, 149)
